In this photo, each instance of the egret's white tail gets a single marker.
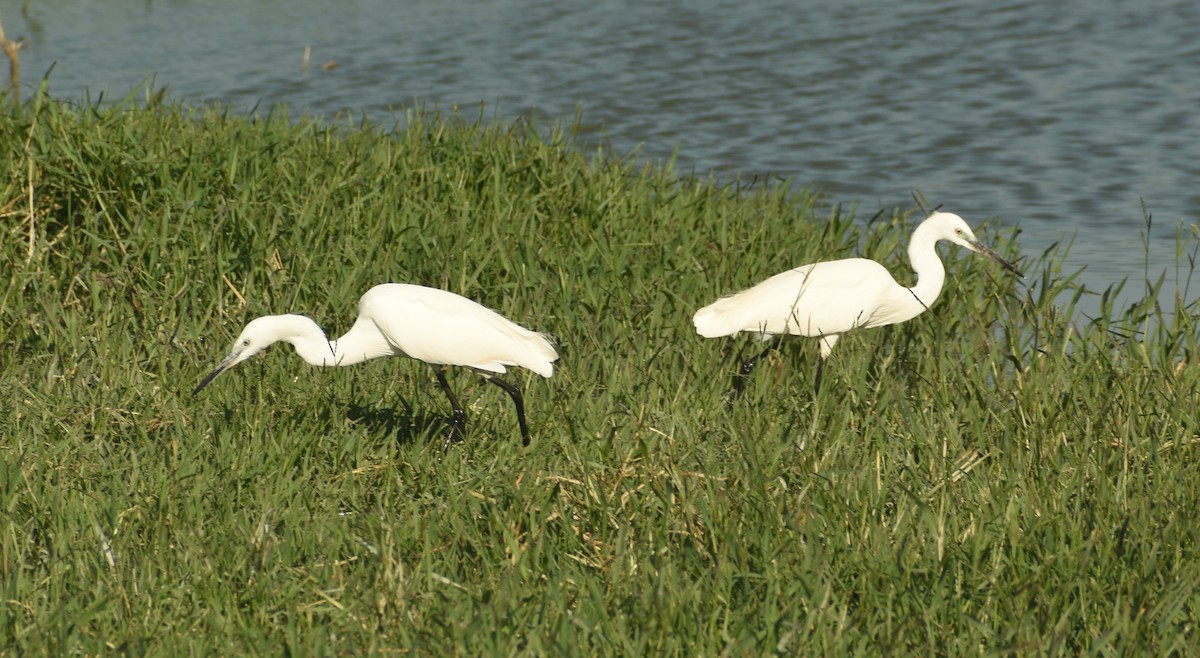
(714, 320)
(541, 355)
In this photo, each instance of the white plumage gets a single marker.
(442, 328)
(825, 300)
(426, 324)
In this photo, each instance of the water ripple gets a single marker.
(1059, 116)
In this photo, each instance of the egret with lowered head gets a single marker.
(426, 324)
(825, 300)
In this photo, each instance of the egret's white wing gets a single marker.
(813, 300)
(441, 327)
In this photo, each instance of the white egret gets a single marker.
(824, 300)
(426, 324)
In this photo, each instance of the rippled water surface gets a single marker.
(1061, 117)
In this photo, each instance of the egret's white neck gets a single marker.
(309, 340)
(363, 341)
(931, 274)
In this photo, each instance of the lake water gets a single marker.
(1060, 117)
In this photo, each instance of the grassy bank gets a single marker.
(988, 478)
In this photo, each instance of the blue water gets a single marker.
(1061, 118)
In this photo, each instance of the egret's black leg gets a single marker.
(517, 400)
(458, 426)
(817, 383)
(743, 375)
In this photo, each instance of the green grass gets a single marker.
(994, 477)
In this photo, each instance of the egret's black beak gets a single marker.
(221, 367)
(987, 251)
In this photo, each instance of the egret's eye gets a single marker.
(958, 231)
(246, 343)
